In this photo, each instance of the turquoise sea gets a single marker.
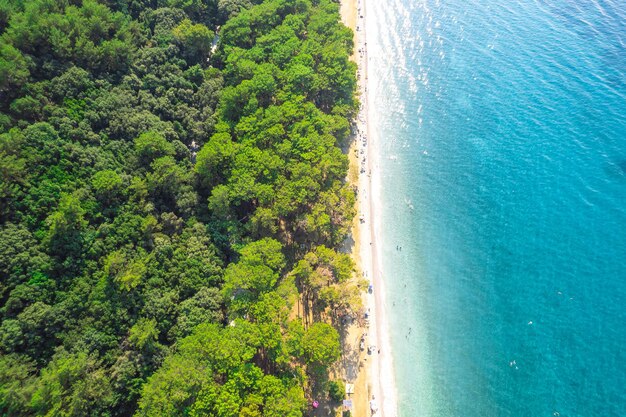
(502, 135)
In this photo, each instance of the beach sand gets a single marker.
(371, 372)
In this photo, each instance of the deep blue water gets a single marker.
(502, 133)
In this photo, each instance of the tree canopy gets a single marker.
(172, 185)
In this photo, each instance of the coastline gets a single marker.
(375, 379)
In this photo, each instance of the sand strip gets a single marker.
(375, 380)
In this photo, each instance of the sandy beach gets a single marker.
(374, 384)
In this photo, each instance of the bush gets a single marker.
(337, 390)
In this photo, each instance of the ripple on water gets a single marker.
(504, 180)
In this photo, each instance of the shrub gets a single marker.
(337, 390)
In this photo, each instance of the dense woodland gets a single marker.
(136, 276)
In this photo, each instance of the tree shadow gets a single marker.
(350, 342)
(348, 244)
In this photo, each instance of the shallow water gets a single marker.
(502, 128)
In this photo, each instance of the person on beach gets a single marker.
(373, 405)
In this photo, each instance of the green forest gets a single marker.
(172, 201)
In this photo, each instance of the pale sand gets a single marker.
(375, 378)
(349, 17)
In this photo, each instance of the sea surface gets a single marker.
(501, 128)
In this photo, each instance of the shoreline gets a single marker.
(376, 377)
